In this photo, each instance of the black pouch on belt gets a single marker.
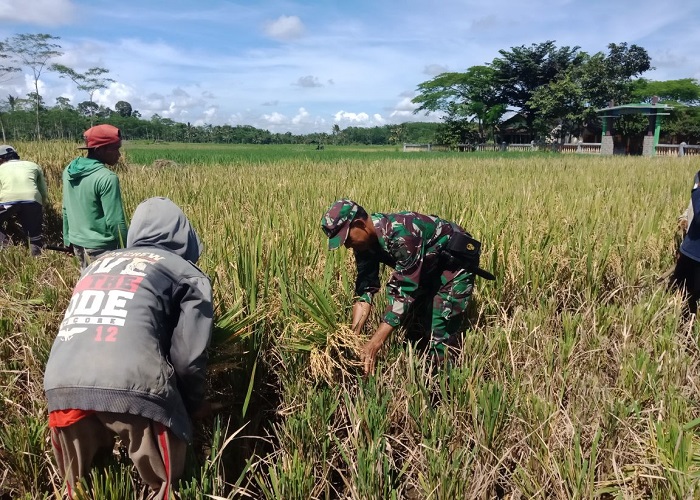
(467, 251)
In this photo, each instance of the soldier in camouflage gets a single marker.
(415, 246)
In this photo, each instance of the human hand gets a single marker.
(369, 355)
(371, 348)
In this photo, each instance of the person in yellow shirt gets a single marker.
(23, 195)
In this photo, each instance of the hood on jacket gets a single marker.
(160, 223)
(81, 167)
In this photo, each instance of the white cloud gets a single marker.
(116, 92)
(41, 12)
(274, 118)
(341, 116)
(362, 119)
(405, 104)
(301, 116)
(285, 28)
(210, 113)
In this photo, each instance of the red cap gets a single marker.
(101, 135)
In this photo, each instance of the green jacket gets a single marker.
(93, 214)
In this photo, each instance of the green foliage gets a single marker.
(112, 482)
(549, 86)
(474, 93)
(685, 91)
(123, 108)
(520, 71)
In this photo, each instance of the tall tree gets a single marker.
(609, 77)
(124, 109)
(63, 103)
(91, 81)
(396, 134)
(560, 106)
(88, 109)
(475, 93)
(33, 50)
(569, 102)
(336, 133)
(33, 97)
(12, 102)
(456, 127)
(521, 70)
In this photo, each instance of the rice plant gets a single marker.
(576, 379)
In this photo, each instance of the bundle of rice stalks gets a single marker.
(315, 328)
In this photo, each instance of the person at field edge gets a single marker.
(686, 276)
(93, 214)
(434, 262)
(131, 352)
(23, 195)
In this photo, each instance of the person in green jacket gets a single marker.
(23, 195)
(93, 214)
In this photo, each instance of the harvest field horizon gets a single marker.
(578, 377)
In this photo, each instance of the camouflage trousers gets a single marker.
(439, 312)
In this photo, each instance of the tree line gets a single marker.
(550, 89)
(63, 121)
(31, 118)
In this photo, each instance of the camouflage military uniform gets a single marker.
(413, 245)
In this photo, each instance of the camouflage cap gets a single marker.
(336, 221)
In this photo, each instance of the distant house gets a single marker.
(514, 130)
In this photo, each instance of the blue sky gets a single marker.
(303, 66)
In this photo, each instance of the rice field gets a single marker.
(578, 377)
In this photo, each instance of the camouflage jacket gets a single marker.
(411, 244)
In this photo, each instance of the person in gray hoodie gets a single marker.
(131, 352)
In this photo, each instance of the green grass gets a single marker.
(143, 153)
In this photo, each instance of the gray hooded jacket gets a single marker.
(135, 335)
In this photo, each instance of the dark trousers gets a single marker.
(686, 277)
(31, 217)
(87, 255)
